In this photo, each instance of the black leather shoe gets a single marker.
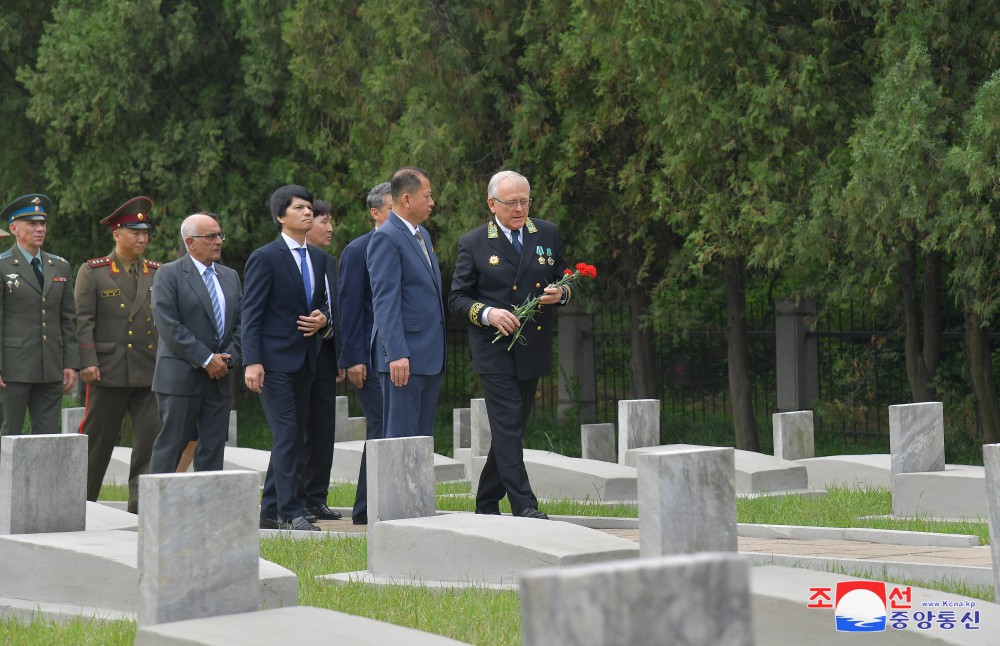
(269, 523)
(360, 519)
(322, 512)
(299, 524)
(531, 512)
(309, 516)
(492, 512)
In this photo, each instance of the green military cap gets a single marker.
(27, 207)
(133, 214)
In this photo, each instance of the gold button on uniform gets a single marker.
(130, 332)
(45, 338)
(538, 284)
(515, 288)
(129, 346)
(122, 306)
(150, 348)
(539, 328)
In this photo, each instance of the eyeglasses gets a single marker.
(524, 204)
(212, 236)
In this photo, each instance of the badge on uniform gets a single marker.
(551, 261)
(494, 260)
(107, 293)
(12, 282)
(59, 279)
(541, 255)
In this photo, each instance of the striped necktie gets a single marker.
(214, 297)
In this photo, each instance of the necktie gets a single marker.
(305, 275)
(515, 239)
(37, 266)
(420, 239)
(214, 297)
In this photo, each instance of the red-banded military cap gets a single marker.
(133, 214)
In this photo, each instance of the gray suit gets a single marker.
(188, 399)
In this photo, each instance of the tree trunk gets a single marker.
(739, 377)
(923, 331)
(979, 362)
(645, 368)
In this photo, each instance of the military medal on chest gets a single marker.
(12, 282)
(550, 260)
(541, 255)
(494, 260)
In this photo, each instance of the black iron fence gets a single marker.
(861, 368)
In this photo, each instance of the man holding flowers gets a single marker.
(509, 274)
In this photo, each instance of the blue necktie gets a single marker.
(214, 297)
(515, 239)
(305, 276)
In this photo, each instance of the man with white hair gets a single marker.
(504, 261)
(196, 308)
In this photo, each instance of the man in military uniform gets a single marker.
(505, 261)
(118, 347)
(39, 355)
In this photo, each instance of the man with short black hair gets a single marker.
(284, 318)
(408, 341)
(114, 313)
(354, 299)
(321, 425)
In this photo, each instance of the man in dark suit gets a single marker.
(196, 309)
(114, 314)
(284, 318)
(354, 301)
(505, 261)
(408, 338)
(40, 354)
(321, 427)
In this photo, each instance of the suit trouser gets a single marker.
(205, 414)
(370, 397)
(42, 400)
(102, 422)
(285, 398)
(409, 410)
(508, 405)
(321, 430)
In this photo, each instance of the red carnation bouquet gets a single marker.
(526, 311)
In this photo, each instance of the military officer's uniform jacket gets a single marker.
(38, 324)
(115, 321)
(490, 273)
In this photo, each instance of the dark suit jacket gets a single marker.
(406, 299)
(331, 335)
(354, 304)
(489, 273)
(273, 300)
(182, 311)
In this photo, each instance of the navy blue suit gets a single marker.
(273, 300)
(409, 322)
(354, 307)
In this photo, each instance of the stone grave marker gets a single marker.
(638, 425)
(199, 545)
(694, 600)
(687, 502)
(43, 483)
(916, 437)
(400, 478)
(793, 435)
(598, 442)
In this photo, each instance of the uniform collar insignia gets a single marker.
(530, 226)
(492, 231)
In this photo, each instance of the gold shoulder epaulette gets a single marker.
(99, 262)
(152, 263)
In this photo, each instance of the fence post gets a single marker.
(797, 354)
(577, 366)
